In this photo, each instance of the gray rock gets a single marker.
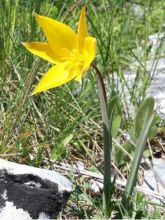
(31, 193)
(156, 89)
(155, 180)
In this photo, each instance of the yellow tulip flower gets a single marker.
(70, 52)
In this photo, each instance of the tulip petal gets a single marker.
(56, 76)
(59, 35)
(79, 77)
(89, 52)
(42, 50)
(82, 29)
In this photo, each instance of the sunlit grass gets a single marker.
(32, 126)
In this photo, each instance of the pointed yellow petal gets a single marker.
(82, 29)
(56, 76)
(79, 77)
(42, 50)
(59, 35)
(89, 51)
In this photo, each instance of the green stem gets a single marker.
(107, 143)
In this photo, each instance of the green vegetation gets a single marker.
(64, 124)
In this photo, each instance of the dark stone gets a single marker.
(32, 193)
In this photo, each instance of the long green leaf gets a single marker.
(143, 121)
